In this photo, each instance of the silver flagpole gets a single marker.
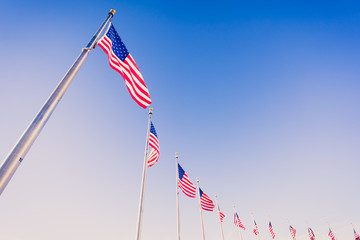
(17, 154)
(201, 216)
(143, 182)
(177, 197)
(238, 227)
(221, 228)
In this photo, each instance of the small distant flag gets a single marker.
(292, 231)
(331, 234)
(185, 184)
(256, 229)
(121, 61)
(205, 202)
(221, 215)
(311, 234)
(271, 230)
(356, 235)
(155, 147)
(238, 222)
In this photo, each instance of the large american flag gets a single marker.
(331, 234)
(221, 215)
(256, 229)
(237, 221)
(356, 235)
(292, 231)
(205, 202)
(155, 148)
(185, 184)
(121, 61)
(271, 230)
(311, 234)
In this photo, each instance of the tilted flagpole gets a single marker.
(201, 216)
(177, 197)
(237, 226)
(143, 181)
(221, 228)
(17, 154)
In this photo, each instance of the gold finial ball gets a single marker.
(112, 12)
(150, 109)
(176, 153)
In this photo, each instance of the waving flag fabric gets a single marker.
(205, 202)
(331, 234)
(356, 235)
(292, 231)
(238, 222)
(221, 215)
(256, 229)
(185, 184)
(121, 61)
(271, 230)
(155, 148)
(311, 234)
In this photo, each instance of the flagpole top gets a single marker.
(112, 12)
(176, 153)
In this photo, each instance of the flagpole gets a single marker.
(17, 154)
(177, 196)
(143, 182)
(201, 216)
(237, 226)
(252, 215)
(221, 228)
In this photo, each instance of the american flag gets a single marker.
(185, 184)
(311, 234)
(122, 62)
(271, 230)
(237, 221)
(356, 235)
(221, 215)
(155, 148)
(205, 202)
(256, 229)
(331, 234)
(292, 231)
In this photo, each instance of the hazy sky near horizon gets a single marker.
(261, 100)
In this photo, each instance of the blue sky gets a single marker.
(259, 98)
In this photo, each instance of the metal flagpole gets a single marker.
(252, 215)
(237, 226)
(177, 196)
(221, 228)
(143, 182)
(17, 154)
(201, 216)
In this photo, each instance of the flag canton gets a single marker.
(118, 46)
(181, 172)
(201, 192)
(152, 129)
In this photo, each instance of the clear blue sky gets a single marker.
(261, 100)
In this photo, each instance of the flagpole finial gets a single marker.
(112, 12)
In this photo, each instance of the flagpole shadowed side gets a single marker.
(17, 154)
(177, 196)
(201, 216)
(143, 181)
(221, 228)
